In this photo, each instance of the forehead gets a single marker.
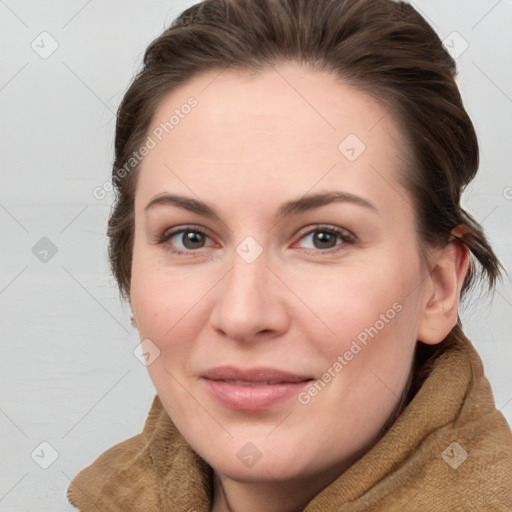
(290, 126)
(309, 102)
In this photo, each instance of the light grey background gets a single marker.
(69, 376)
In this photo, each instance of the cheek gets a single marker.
(366, 312)
(156, 305)
(171, 308)
(160, 295)
(351, 300)
(163, 310)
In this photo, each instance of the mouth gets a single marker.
(253, 389)
(251, 383)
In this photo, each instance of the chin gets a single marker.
(256, 459)
(262, 471)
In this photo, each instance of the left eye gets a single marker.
(326, 238)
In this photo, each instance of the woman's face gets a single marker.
(281, 289)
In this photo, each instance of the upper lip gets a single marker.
(260, 374)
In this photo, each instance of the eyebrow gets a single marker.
(293, 207)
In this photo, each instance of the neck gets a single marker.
(231, 495)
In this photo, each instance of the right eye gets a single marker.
(191, 238)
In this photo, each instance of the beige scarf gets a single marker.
(449, 450)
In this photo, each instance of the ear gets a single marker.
(441, 304)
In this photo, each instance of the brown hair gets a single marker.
(382, 47)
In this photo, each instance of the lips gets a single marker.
(251, 383)
(254, 389)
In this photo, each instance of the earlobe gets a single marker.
(440, 312)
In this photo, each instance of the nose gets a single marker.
(250, 302)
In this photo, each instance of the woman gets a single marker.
(289, 235)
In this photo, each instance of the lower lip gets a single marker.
(252, 398)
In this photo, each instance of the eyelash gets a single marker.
(345, 236)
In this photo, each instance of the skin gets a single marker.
(252, 143)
